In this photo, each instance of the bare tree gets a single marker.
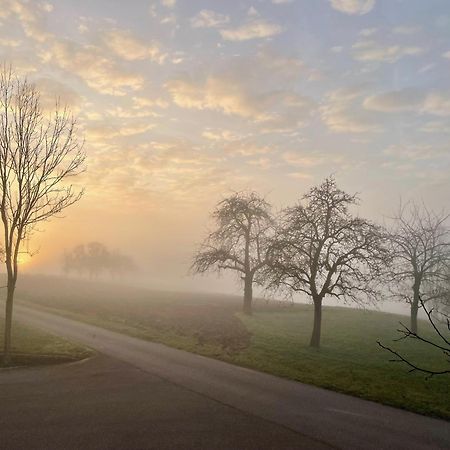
(38, 154)
(419, 243)
(240, 241)
(441, 342)
(323, 250)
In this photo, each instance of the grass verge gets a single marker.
(33, 347)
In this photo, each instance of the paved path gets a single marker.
(319, 418)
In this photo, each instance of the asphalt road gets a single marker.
(275, 413)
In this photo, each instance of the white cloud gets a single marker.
(255, 29)
(252, 11)
(220, 135)
(437, 103)
(217, 94)
(358, 7)
(281, 2)
(277, 110)
(342, 114)
(446, 55)
(304, 160)
(90, 64)
(337, 49)
(366, 32)
(124, 44)
(371, 51)
(410, 99)
(209, 19)
(109, 131)
(169, 3)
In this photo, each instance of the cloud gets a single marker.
(437, 103)
(303, 160)
(282, 2)
(408, 99)
(366, 32)
(209, 19)
(109, 131)
(436, 126)
(8, 42)
(29, 15)
(255, 29)
(353, 7)
(416, 152)
(128, 47)
(169, 3)
(219, 94)
(371, 51)
(446, 55)
(220, 135)
(278, 110)
(52, 91)
(90, 63)
(247, 149)
(342, 114)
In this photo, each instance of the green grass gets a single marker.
(31, 347)
(274, 340)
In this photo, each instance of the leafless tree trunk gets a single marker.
(37, 156)
(317, 327)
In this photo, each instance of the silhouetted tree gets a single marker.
(239, 242)
(419, 241)
(321, 250)
(37, 156)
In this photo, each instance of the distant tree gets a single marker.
(239, 242)
(38, 156)
(97, 258)
(321, 249)
(94, 259)
(419, 242)
(120, 264)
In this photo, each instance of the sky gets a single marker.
(181, 102)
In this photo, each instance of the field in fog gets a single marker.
(274, 339)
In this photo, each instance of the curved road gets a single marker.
(320, 418)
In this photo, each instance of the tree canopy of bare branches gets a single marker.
(38, 154)
(321, 250)
(419, 242)
(240, 241)
(440, 323)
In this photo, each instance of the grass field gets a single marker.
(32, 347)
(274, 340)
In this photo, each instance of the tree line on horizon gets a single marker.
(95, 259)
(322, 249)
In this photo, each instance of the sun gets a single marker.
(23, 258)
